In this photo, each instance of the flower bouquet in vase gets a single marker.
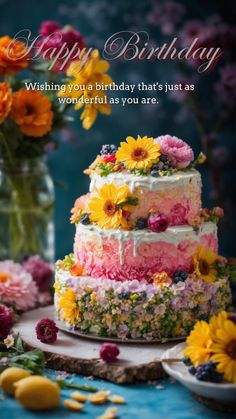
(29, 119)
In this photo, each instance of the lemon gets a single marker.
(37, 393)
(9, 377)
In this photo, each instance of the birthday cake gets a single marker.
(145, 262)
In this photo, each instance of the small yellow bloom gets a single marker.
(199, 343)
(78, 396)
(105, 206)
(93, 296)
(204, 263)
(161, 279)
(73, 405)
(9, 341)
(138, 153)
(68, 305)
(116, 399)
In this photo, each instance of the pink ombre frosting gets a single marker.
(178, 196)
(129, 255)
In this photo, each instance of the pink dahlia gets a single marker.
(46, 331)
(158, 222)
(179, 153)
(17, 286)
(109, 352)
(40, 270)
(6, 321)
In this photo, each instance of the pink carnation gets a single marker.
(40, 270)
(46, 331)
(109, 352)
(17, 286)
(6, 320)
(179, 153)
(48, 27)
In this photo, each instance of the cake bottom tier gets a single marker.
(134, 309)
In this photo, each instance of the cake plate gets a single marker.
(77, 354)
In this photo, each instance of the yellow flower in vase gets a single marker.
(199, 343)
(204, 263)
(140, 153)
(224, 346)
(106, 206)
(68, 304)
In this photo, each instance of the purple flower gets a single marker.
(40, 270)
(109, 352)
(157, 222)
(6, 320)
(46, 331)
(225, 88)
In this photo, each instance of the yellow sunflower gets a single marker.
(199, 343)
(204, 263)
(105, 206)
(68, 304)
(224, 346)
(140, 153)
(217, 322)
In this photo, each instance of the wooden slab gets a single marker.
(80, 355)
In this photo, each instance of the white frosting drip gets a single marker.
(149, 183)
(173, 235)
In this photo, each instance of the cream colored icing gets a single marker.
(174, 235)
(149, 183)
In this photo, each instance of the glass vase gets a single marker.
(26, 210)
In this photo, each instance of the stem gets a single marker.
(81, 387)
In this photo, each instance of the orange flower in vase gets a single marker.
(5, 101)
(31, 110)
(13, 56)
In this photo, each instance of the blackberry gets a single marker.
(186, 361)
(180, 276)
(155, 166)
(164, 159)
(154, 173)
(207, 372)
(141, 223)
(85, 219)
(108, 149)
(192, 370)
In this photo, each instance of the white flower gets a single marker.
(9, 341)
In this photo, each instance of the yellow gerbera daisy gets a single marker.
(199, 343)
(204, 263)
(68, 304)
(138, 153)
(224, 348)
(105, 206)
(217, 322)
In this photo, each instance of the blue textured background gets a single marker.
(142, 402)
(97, 19)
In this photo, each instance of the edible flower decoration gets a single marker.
(68, 306)
(205, 264)
(212, 215)
(161, 279)
(110, 205)
(140, 153)
(211, 349)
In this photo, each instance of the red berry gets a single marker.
(109, 158)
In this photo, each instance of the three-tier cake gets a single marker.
(145, 262)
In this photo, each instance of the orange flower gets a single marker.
(161, 279)
(76, 269)
(13, 56)
(5, 101)
(31, 110)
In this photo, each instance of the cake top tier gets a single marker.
(145, 156)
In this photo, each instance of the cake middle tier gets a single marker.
(138, 254)
(177, 196)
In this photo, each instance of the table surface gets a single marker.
(164, 398)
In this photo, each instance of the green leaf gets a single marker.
(19, 345)
(31, 361)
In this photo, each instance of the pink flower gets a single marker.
(6, 321)
(109, 352)
(48, 27)
(218, 212)
(46, 331)
(17, 286)
(40, 270)
(179, 153)
(158, 222)
(60, 40)
(178, 214)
